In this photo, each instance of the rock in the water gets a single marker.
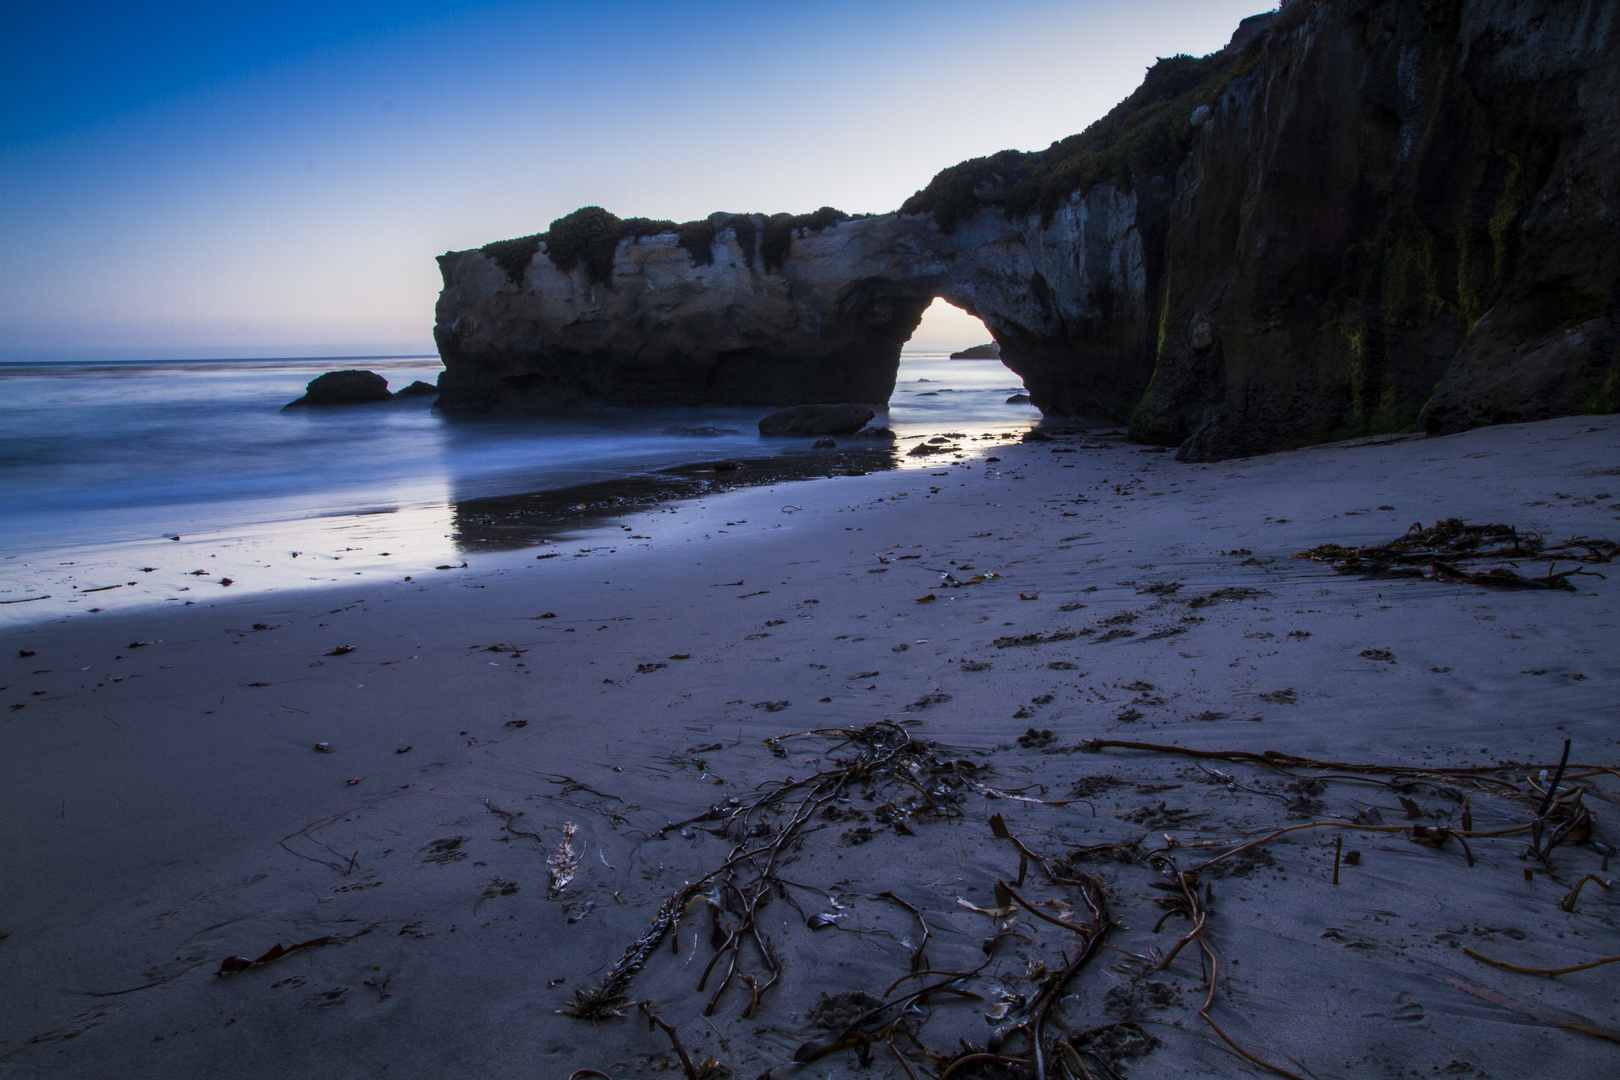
(992, 351)
(824, 444)
(350, 387)
(419, 389)
(843, 419)
(880, 434)
(1018, 399)
(705, 432)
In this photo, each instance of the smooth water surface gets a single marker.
(100, 463)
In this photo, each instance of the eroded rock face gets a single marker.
(1395, 214)
(1407, 217)
(825, 327)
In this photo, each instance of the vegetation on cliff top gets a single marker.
(1145, 135)
(590, 236)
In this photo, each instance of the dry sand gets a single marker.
(164, 807)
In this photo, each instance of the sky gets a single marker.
(189, 179)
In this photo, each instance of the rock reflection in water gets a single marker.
(508, 522)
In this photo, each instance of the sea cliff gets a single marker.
(1362, 216)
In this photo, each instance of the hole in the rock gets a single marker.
(946, 328)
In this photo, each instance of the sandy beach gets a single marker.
(472, 792)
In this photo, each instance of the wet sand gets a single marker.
(167, 808)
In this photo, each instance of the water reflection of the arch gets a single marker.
(507, 522)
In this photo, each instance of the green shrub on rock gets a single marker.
(590, 237)
(514, 256)
(697, 239)
(743, 226)
(777, 241)
(635, 228)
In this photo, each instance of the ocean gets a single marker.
(154, 481)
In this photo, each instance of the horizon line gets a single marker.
(223, 359)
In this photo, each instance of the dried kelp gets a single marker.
(1489, 776)
(233, 964)
(1540, 1014)
(904, 779)
(1548, 972)
(1437, 552)
(909, 780)
(1185, 901)
(563, 863)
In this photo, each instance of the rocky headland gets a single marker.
(988, 351)
(1360, 217)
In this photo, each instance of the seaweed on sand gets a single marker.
(1052, 911)
(1438, 553)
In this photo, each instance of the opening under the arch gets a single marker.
(946, 328)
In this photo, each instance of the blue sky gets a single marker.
(212, 179)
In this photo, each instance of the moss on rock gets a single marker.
(1603, 393)
(1146, 134)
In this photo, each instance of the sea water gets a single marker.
(103, 465)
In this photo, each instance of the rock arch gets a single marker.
(1358, 218)
(826, 325)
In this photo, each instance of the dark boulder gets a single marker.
(419, 389)
(349, 387)
(991, 351)
(843, 419)
(1018, 399)
(881, 434)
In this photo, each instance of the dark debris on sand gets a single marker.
(1438, 552)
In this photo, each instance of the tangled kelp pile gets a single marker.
(905, 780)
(1438, 552)
(1052, 917)
(766, 828)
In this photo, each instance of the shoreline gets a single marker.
(177, 813)
(506, 522)
(399, 482)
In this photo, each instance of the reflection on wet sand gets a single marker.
(508, 522)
